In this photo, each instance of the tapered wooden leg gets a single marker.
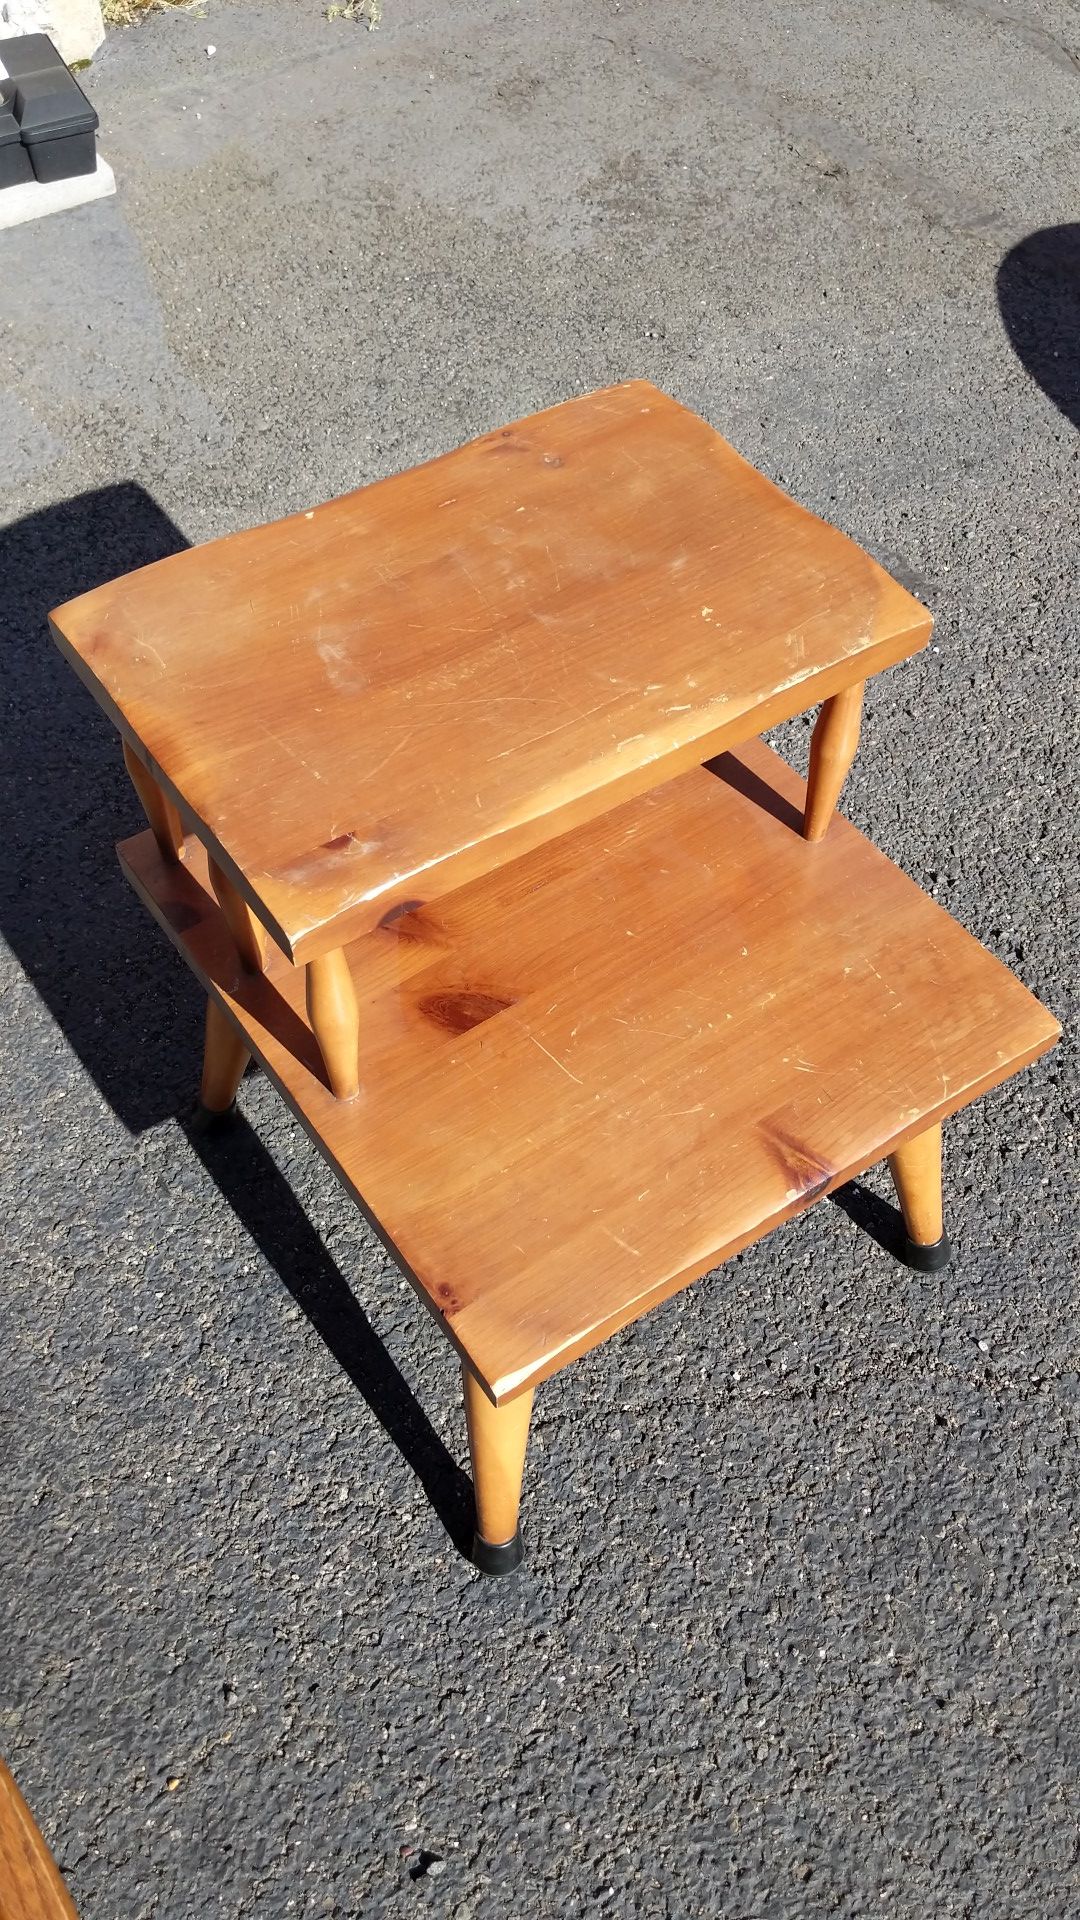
(498, 1437)
(335, 1020)
(224, 1059)
(249, 933)
(832, 750)
(916, 1171)
(158, 808)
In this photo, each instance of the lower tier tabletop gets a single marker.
(589, 1077)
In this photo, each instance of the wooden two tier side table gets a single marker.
(457, 812)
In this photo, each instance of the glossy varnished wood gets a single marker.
(916, 1172)
(164, 819)
(498, 1439)
(330, 998)
(374, 702)
(246, 930)
(225, 1056)
(30, 1885)
(588, 1078)
(832, 749)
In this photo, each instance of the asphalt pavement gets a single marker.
(798, 1632)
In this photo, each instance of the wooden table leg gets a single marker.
(916, 1172)
(224, 1059)
(164, 820)
(498, 1437)
(832, 750)
(335, 1020)
(249, 933)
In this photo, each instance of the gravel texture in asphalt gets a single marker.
(798, 1632)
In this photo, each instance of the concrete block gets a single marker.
(75, 27)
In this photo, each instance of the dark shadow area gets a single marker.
(76, 928)
(873, 1216)
(1038, 290)
(262, 1200)
(108, 978)
(731, 770)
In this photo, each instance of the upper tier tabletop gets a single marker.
(381, 699)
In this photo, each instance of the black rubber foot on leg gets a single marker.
(929, 1259)
(207, 1120)
(497, 1560)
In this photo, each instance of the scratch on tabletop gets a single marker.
(405, 738)
(619, 1242)
(147, 648)
(556, 1061)
(475, 585)
(291, 751)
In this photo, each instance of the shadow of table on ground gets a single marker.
(110, 983)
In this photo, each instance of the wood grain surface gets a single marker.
(588, 1078)
(30, 1885)
(378, 700)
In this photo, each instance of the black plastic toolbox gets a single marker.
(14, 157)
(27, 53)
(57, 124)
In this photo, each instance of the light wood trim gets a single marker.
(30, 1884)
(916, 1172)
(165, 823)
(224, 1059)
(498, 1438)
(832, 750)
(249, 934)
(335, 1020)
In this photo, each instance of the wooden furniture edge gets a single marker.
(446, 874)
(508, 1387)
(222, 1001)
(31, 1886)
